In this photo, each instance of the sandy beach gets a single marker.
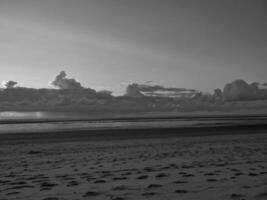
(211, 166)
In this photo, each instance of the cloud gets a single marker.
(62, 82)
(218, 94)
(137, 90)
(9, 84)
(72, 96)
(240, 90)
(133, 90)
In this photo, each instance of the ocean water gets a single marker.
(37, 122)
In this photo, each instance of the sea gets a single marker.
(38, 122)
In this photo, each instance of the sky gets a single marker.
(108, 44)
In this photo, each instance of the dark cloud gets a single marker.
(240, 90)
(9, 84)
(218, 94)
(133, 90)
(66, 83)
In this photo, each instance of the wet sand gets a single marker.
(215, 163)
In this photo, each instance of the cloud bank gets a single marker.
(70, 95)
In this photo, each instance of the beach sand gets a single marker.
(215, 166)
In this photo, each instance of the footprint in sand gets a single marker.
(235, 170)
(100, 181)
(154, 186)
(91, 194)
(149, 169)
(180, 182)
(239, 174)
(212, 180)
(188, 175)
(126, 174)
(237, 196)
(161, 175)
(119, 188)
(261, 195)
(117, 198)
(246, 187)
(142, 177)
(47, 186)
(253, 174)
(149, 194)
(209, 174)
(119, 178)
(32, 152)
(12, 193)
(181, 191)
(20, 187)
(72, 183)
